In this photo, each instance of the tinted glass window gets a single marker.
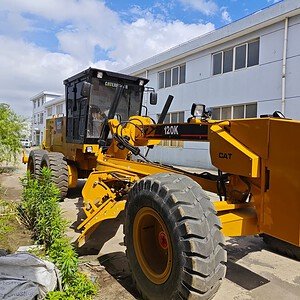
(253, 53)
(103, 94)
(228, 61)
(182, 74)
(226, 113)
(168, 118)
(161, 80)
(238, 112)
(181, 117)
(217, 63)
(174, 118)
(216, 113)
(251, 110)
(168, 78)
(240, 57)
(78, 89)
(175, 76)
(70, 100)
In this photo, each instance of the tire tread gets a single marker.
(200, 233)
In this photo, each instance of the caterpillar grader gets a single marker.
(174, 233)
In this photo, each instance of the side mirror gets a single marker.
(153, 98)
(86, 89)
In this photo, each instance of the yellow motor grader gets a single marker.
(174, 234)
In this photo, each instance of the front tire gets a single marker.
(34, 162)
(173, 239)
(59, 168)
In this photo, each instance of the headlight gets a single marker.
(141, 83)
(99, 75)
(89, 149)
(198, 110)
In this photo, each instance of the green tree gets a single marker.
(11, 126)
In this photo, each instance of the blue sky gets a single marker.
(189, 14)
(44, 42)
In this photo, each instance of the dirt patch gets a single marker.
(16, 236)
(110, 286)
(14, 232)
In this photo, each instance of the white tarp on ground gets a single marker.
(25, 276)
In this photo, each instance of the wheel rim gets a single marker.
(152, 245)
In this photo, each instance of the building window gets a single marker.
(168, 78)
(38, 103)
(239, 111)
(41, 118)
(173, 117)
(228, 61)
(251, 110)
(172, 76)
(34, 119)
(49, 111)
(175, 74)
(217, 63)
(239, 57)
(226, 113)
(34, 103)
(182, 74)
(253, 53)
(59, 109)
(161, 80)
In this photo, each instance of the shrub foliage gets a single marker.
(41, 211)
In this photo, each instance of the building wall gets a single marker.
(55, 108)
(39, 115)
(261, 84)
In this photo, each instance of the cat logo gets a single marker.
(225, 155)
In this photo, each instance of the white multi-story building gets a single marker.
(245, 69)
(43, 103)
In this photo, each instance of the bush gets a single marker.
(41, 211)
(40, 203)
(81, 289)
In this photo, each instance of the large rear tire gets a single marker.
(173, 239)
(59, 168)
(34, 162)
(282, 247)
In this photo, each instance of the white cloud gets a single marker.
(14, 24)
(207, 7)
(225, 15)
(84, 25)
(27, 70)
(149, 36)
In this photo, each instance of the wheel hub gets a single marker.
(152, 245)
(162, 239)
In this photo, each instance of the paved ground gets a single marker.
(253, 271)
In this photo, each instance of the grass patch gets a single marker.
(7, 215)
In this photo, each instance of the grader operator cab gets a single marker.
(174, 234)
(71, 141)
